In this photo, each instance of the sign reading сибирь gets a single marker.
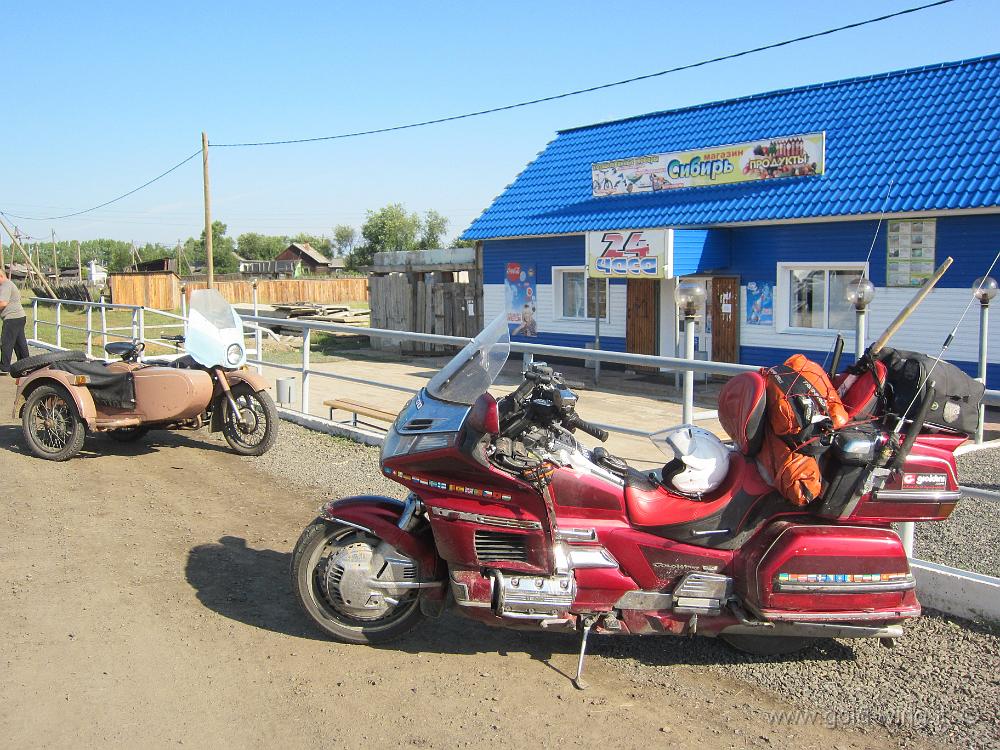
(627, 254)
(767, 159)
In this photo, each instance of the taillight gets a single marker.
(484, 416)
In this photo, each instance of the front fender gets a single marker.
(251, 378)
(80, 394)
(380, 515)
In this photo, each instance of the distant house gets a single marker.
(97, 273)
(310, 259)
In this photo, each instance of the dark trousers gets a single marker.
(12, 341)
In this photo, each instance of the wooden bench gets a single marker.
(356, 408)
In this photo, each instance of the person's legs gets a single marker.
(21, 342)
(7, 338)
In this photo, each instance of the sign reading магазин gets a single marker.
(627, 254)
(770, 158)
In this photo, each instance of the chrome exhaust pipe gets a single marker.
(814, 630)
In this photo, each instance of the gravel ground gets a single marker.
(939, 682)
(969, 539)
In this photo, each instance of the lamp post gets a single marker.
(860, 295)
(984, 289)
(690, 296)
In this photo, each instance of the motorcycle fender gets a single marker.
(380, 515)
(251, 378)
(82, 399)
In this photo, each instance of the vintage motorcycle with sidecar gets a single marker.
(513, 522)
(62, 396)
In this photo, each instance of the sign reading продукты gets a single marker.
(627, 253)
(767, 159)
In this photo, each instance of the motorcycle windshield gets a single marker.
(214, 336)
(472, 371)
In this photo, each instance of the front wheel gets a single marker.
(255, 430)
(353, 585)
(51, 425)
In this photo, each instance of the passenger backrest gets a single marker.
(741, 411)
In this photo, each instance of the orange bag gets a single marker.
(795, 475)
(802, 404)
(799, 396)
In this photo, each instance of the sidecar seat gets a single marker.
(741, 411)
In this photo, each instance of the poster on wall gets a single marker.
(520, 292)
(760, 303)
(910, 251)
(627, 254)
(766, 159)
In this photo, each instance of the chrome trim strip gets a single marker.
(846, 588)
(918, 496)
(576, 535)
(505, 523)
(646, 600)
(591, 557)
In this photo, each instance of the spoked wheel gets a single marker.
(255, 430)
(768, 645)
(128, 434)
(347, 582)
(50, 423)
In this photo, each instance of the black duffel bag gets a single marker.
(956, 395)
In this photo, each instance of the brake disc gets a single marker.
(347, 582)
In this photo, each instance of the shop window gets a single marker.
(813, 295)
(579, 297)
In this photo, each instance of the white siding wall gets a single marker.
(925, 330)
(494, 304)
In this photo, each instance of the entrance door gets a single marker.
(725, 318)
(641, 317)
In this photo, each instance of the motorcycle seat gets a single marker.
(742, 402)
(725, 519)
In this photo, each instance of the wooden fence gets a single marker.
(290, 291)
(159, 290)
(400, 303)
(163, 290)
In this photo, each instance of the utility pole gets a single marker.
(208, 212)
(3, 264)
(55, 259)
(79, 262)
(27, 257)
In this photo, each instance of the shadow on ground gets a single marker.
(253, 586)
(12, 439)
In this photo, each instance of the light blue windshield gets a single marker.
(472, 371)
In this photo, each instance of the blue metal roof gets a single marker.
(934, 130)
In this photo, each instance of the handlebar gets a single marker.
(591, 429)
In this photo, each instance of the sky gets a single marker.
(101, 97)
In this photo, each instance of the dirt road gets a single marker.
(146, 603)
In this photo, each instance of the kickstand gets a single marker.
(579, 683)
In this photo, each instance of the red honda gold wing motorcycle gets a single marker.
(515, 523)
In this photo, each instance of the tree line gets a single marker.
(389, 228)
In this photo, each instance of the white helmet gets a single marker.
(698, 459)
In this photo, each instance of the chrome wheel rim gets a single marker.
(333, 607)
(250, 428)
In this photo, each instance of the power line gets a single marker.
(113, 200)
(590, 89)
(504, 108)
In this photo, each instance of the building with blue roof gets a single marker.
(777, 202)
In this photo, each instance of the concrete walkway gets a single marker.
(628, 400)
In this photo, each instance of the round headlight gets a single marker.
(234, 354)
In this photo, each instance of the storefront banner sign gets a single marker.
(627, 254)
(760, 303)
(520, 290)
(910, 252)
(767, 159)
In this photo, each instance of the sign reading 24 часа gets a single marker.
(769, 158)
(627, 254)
